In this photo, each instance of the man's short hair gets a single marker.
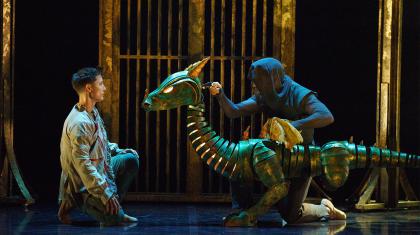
(84, 76)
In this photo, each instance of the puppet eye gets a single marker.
(168, 89)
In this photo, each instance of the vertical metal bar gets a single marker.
(254, 42)
(232, 62)
(264, 48)
(127, 76)
(254, 26)
(138, 98)
(222, 76)
(212, 25)
(398, 62)
(159, 29)
(222, 62)
(243, 60)
(127, 102)
(149, 38)
(178, 119)
(254, 39)
(264, 31)
(168, 113)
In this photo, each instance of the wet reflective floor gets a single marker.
(162, 218)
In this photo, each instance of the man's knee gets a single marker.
(131, 162)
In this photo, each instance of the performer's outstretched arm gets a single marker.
(232, 110)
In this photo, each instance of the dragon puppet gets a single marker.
(263, 159)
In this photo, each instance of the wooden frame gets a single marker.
(114, 49)
(387, 181)
(7, 102)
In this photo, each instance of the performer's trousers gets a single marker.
(125, 167)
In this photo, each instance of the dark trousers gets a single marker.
(125, 167)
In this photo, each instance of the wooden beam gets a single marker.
(7, 77)
(107, 60)
(288, 15)
(195, 53)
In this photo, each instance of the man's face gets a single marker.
(254, 88)
(97, 89)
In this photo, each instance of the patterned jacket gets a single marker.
(85, 158)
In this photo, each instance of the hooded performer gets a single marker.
(277, 95)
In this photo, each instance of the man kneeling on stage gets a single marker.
(95, 174)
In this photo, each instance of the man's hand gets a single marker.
(113, 206)
(215, 88)
(63, 212)
(129, 151)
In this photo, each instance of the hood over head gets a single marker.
(268, 76)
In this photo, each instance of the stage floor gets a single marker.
(164, 218)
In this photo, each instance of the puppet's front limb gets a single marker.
(272, 177)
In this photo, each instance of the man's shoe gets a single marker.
(334, 213)
(129, 219)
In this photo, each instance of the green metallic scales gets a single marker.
(263, 159)
(333, 160)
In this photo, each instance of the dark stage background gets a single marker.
(336, 55)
